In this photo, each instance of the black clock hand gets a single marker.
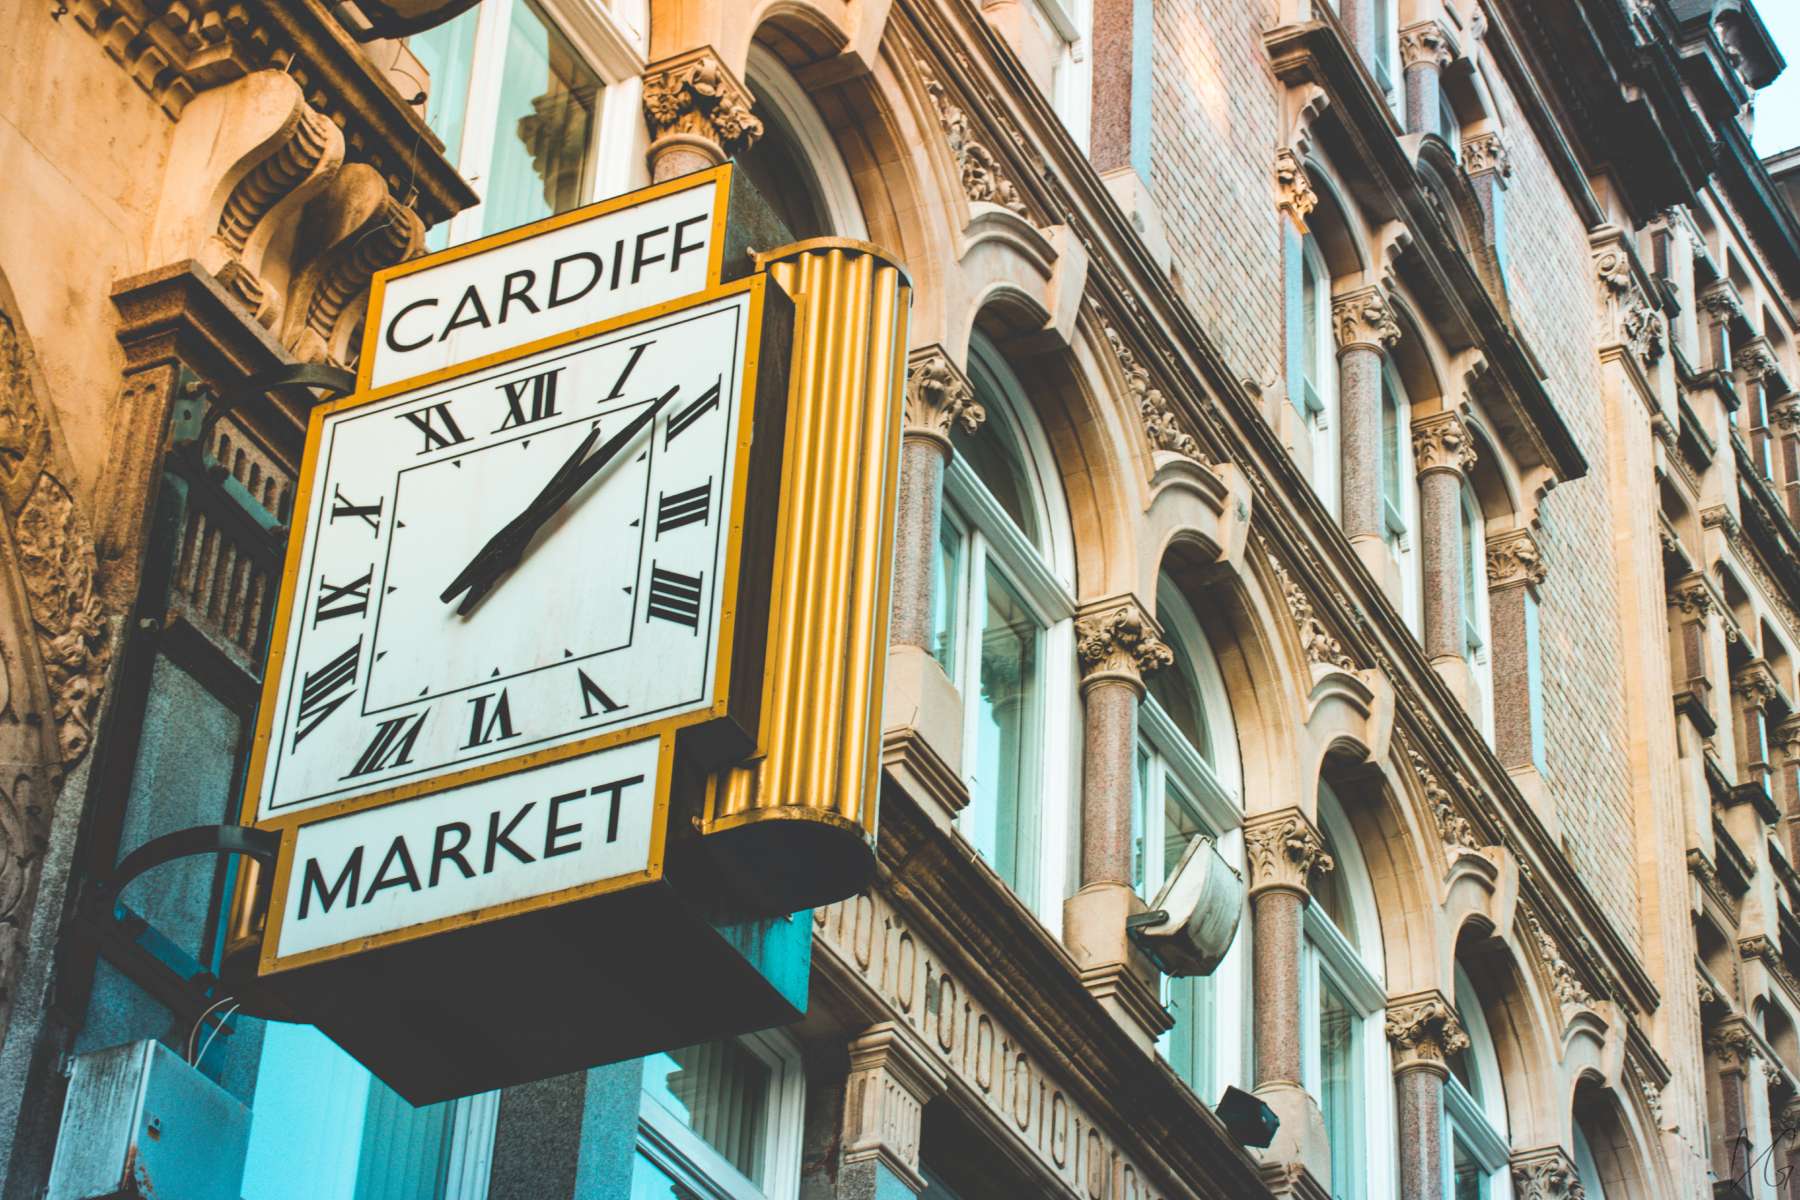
(507, 546)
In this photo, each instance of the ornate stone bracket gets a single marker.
(1364, 318)
(892, 1077)
(1730, 1045)
(1571, 994)
(1441, 442)
(983, 182)
(1427, 42)
(1632, 314)
(1754, 683)
(938, 397)
(1294, 193)
(1755, 360)
(1784, 414)
(1116, 639)
(1513, 560)
(1485, 152)
(1721, 300)
(1284, 848)
(1424, 1032)
(698, 113)
(1155, 414)
(1316, 642)
(1546, 1174)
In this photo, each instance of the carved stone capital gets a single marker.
(1730, 1046)
(1424, 1032)
(1294, 193)
(1755, 360)
(1485, 152)
(892, 1077)
(1441, 442)
(938, 397)
(1427, 42)
(1784, 414)
(692, 99)
(1117, 640)
(1754, 683)
(1364, 318)
(1693, 597)
(1284, 849)
(1513, 560)
(1547, 1173)
(1786, 736)
(1721, 300)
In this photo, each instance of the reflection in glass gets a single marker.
(1176, 690)
(1328, 893)
(946, 596)
(995, 458)
(544, 126)
(1001, 817)
(1470, 1181)
(778, 168)
(447, 53)
(651, 1182)
(1190, 999)
(1338, 1089)
(720, 1090)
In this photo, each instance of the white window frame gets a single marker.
(1477, 629)
(1071, 22)
(1357, 973)
(795, 110)
(1384, 63)
(1317, 407)
(1480, 1124)
(1399, 523)
(665, 1140)
(611, 40)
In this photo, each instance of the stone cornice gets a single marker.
(1284, 848)
(1116, 639)
(1441, 442)
(1424, 1031)
(938, 397)
(1364, 318)
(1513, 560)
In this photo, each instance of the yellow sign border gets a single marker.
(755, 286)
(720, 175)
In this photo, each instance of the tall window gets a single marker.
(1344, 1056)
(1385, 55)
(1399, 494)
(1475, 1108)
(721, 1119)
(1187, 786)
(795, 164)
(1475, 609)
(1585, 1167)
(1312, 361)
(1003, 631)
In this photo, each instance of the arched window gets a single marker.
(1003, 632)
(1475, 610)
(1187, 786)
(1344, 1055)
(1475, 1109)
(1399, 492)
(795, 164)
(1585, 1167)
(1312, 361)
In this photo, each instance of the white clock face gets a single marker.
(609, 619)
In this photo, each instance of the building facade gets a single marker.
(1359, 432)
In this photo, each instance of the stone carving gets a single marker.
(1614, 270)
(1119, 642)
(982, 179)
(1513, 558)
(311, 144)
(1441, 442)
(938, 397)
(1707, 995)
(693, 96)
(360, 228)
(891, 1078)
(1424, 1030)
(1645, 331)
(24, 434)
(56, 558)
(1284, 849)
(1294, 193)
(1693, 598)
(1154, 411)
(1569, 990)
(1787, 737)
(1546, 1175)
(1363, 318)
(1721, 300)
(1729, 1043)
(1452, 825)
(1317, 643)
(1485, 152)
(1765, 950)
(1755, 361)
(1784, 414)
(1754, 683)
(1426, 42)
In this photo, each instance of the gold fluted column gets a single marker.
(799, 819)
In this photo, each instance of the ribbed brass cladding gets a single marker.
(800, 818)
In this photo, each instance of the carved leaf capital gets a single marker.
(1284, 848)
(1119, 641)
(1486, 152)
(1546, 1174)
(1729, 1044)
(1364, 318)
(1721, 300)
(939, 397)
(693, 94)
(1294, 193)
(1441, 442)
(1693, 598)
(1424, 1030)
(1754, 683)
(1513, 559)
(1785, 414)
(1427, 42)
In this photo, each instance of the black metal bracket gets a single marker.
(334, 381)
(259, 844)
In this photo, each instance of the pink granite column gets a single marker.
(1283, 849)
(937, 396)
(1693, 599)
(1514, 570)
(1358, 18)
(1365, 329)
(1424, 1032)
(1752, 688)
(1426, 48)
(1729, 1050)
(1114, 59)
(1443, 454)
(1118, 644)
(1485, 162)
(698, 114)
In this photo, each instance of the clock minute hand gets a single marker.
(484, 556)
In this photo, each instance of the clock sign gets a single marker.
(506, 590)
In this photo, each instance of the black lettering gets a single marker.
(679, 423)
(590, 692)
(471, 299)
(350, 600)
(673, 597)
(394, 325)
(323, 692)
(498, 837)
(614, 791)
(556, 270)
(441, 854)
(618, 388)
(508, 293)
(392, 745)
(618, 261)
(639, 260)
(486, 726)
(553, 832)
(312, 881)
(683, 508)
(426, 420)
(541, 388)
(681, 247)
(342, 506)
(408, 877)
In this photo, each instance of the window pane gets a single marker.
(1177, 692)
(1309, 317)
(544, 127)
(1329, 894)
(1140, 850)
(946, 597)
(1390, 445)
(1002, 815)
(778, 169)
(447, 53)
(1338, 1099)
(994, 456)
(1190, 1041)
(651, 1182)
(1470, 1179)
(720, 1090)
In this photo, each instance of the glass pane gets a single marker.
(1310, 299)
(651, 1182)
(447, 53)
(405, 1150)
(720, 1090)
(1470, 1181)
(994, 456)
(1338, 1089)
(544, 128)
(1328, 892)
(1190, 1041)
(946, 597)
(1179, 695)
(1140, 799)
(1390, 445)
(778, 169)
(1002, 815)
(1470, 568)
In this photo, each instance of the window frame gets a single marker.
(837, 196)
(1312, 368)
(1479, 1122)
(1478, 633)
(1398, 522)
(683, 1154)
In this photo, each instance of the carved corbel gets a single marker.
(978, 168)
(1364, 318)
(938, 397)
(1294, 193)
(698, 114)
(1546, 1174)
(892, 1077)
(1424, 1032)
(1427, 42)
(1754, 684)
(1693, 597)
(1730, 1047)
(1116, 640)
(1721, 300)
(1755, 360)
(1284, 848)
(1441, 442)
(354, 229)
(1513, 560)
(1485, 152)
(1784, 414)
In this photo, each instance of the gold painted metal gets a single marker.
(795, 826)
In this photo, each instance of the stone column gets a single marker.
(1729, 1050)
(1426, 48)
(938, 396)
(1752, 688)
(1515, 569)
(1365, 329)
(1424, 1032)
(1485, 162)
(1693, 600)
(1546, 1173)
(1358, 18)
(892, 1077)
(1444, 454)
(1720, 301)
(698, 114)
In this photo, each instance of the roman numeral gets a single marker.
(678, 424)
(489, 724)
(427, 421)
(343, 506)
(590, 692)
(542, 390)
(673, 597)
(392, 745)
(350, 600)
(324, 691)
(631, 363)
(683, 508)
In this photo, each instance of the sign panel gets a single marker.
(546, 836)
(575, 269)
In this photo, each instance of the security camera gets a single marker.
(1190, 925)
